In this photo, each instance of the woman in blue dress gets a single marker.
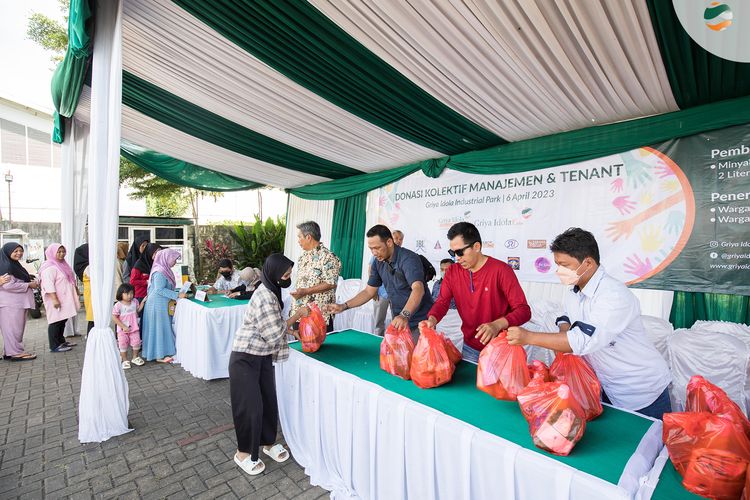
(158, 336)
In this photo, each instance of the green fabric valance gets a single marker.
(182, 173)
(68, 79)
(689, 307)
(549, 151)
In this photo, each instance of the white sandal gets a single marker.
(276, 451)
(250, 467)
(138, 361)
(125, 365)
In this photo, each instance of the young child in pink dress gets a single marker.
(125, 316)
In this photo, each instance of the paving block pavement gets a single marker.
(181, 446)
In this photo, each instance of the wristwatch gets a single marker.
(406, 314)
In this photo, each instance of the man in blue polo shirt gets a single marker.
(400, 271)
(602, 322)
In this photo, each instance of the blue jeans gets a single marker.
(659, 407)
(469, 354)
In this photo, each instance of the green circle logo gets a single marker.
(718, 16)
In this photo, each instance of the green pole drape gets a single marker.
(348, 235)
(689, 307)
(67, 81)
(550, 151)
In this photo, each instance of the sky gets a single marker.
(25, 68)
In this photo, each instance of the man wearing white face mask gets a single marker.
(602, 323)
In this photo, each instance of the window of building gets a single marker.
(13, 142)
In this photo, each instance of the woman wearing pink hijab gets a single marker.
(158, 336)
(60, 295)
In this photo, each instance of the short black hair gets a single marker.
(446, 261)
(123, 289)
(577, 243)
(380, 230)
(225, 263)
(467, 231)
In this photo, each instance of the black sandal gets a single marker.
(22, 357)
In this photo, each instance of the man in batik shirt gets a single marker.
(317, 272)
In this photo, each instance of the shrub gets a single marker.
(258, 241)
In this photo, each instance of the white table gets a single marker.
(204, 335)
(360, 440)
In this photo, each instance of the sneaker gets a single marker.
(70, 344)
(61, 348)
(125, 365)
(138, 361)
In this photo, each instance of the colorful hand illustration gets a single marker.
(675, 221)
(636, 266)
(651, 239)
(671, 184)
(617, 230)
(623, 204)
(663, 171)
(617, 185)
(382, 200)
(647, 198)
(637, 171)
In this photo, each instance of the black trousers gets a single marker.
(252, 388)
(55, 333)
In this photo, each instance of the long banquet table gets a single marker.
(363, 433)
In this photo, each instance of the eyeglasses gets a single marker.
(460, 251)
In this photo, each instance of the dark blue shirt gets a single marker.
(397, 275)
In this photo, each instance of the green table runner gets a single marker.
(220, 300)
(670, 485)
(606, 447)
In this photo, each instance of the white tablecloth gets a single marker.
(359, 440)
(204, 335)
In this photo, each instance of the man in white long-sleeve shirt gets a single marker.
(602, 323)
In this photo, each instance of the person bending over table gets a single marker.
(249, 281)
(602, 322)
(401, 271)
(229, 278)
(318, 272)
(486, 292)
(259, 342)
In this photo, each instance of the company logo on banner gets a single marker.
(722, 28)
(657, 225)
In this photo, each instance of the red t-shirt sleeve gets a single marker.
(520, 312)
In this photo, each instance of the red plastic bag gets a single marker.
(312, 329)
(431, 365)
(710, 452)
(539, 371)
(576, 372)
(702, 395)
(502, 371)
(395, 352)
(556, 420)
(450, 348)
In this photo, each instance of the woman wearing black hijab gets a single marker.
(16, 296)
(260, 341)
(136, 249)
(142, 269)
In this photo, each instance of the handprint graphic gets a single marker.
(617, 185)
(651, 239)
(623, 204)
(637, 266)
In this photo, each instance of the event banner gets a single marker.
(671, 216)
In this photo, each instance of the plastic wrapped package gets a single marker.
(395, 352)
(502, 371)
(580, 377)
(556, 420)
(312, 329)
(538, 370)
(431, 364)
(702, 395)
(710, 452)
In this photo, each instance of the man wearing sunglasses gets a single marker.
(486, 291)
(402, 273)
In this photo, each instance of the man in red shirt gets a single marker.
(486, 291)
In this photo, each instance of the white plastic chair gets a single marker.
(360, 318)
(720, 358)
(658, 330)
(450, 325)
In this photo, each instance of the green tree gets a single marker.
(51, 34)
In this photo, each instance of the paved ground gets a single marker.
(181, 447)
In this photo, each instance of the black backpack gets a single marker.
(429, 269)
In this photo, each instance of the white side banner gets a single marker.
(639, 205)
